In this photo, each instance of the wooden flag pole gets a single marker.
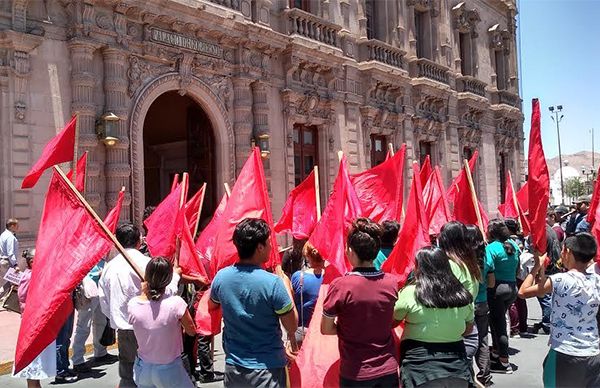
(182, 199)
(203, 188)
(317, 192)
(474, 198)
(391, 149)
(514, 199)
(75, 149)
(101, 223)
(227, 189)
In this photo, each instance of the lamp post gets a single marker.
(555, 110)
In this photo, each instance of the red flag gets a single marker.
(162, 225)
(380, 190)
(205, 244)
(193, 209)
(591, 216)
(249, 199)
(329, 234)
(59, 150)
(510, 207)
(175, 182)
(189, 259)
(208, 322)
(425, 171)
(458, 181)
(538, 181)
(437, 209)
(299, 214)
(413, 235)
(112, 218)
(69, 244)
(523, 198)
(80, 167)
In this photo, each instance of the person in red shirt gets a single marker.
(359, 308)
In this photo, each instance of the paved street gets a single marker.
(528, 354)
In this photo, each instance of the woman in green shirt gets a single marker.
(437, 310)
(504, 253)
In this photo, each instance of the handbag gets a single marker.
(109, 335)
(12, 301)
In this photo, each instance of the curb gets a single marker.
(7, 366)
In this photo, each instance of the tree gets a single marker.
(574, 187)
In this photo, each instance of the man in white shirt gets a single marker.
(118, 284)
(9, 249)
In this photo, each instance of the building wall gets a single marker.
(256, 67)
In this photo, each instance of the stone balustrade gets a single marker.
(471, 85)
(428, 69)
(376, 50)
(233, 4)
(506, 98)
(310, 26)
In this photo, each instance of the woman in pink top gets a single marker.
(157, 320)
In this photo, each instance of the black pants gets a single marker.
(499, 300)
(128, 346)
(380, 382)
(204, 368)
(482, 356)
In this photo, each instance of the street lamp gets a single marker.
(555, 110)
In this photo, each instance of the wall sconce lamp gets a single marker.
(106, 129)
(263, 145)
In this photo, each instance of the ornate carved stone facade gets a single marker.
(258, 68)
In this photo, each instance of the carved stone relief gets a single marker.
(141, 71)
(431, 108)
(464, 20)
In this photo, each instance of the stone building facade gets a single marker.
(195, 83)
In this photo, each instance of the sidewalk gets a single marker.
(9, 331)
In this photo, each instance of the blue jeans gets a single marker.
(63, 341)
(148, 375)
(546, 305)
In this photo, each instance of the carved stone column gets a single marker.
(118, 168)
(260, 110)
(243, 122)
(82, 103)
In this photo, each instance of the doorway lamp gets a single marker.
(263, 144)
(106, 129)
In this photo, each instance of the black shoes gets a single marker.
(537, 326)
(216, 376)
(106, 359)
(82, 368)
(67, 377)
(499, 367)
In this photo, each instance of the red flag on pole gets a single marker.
(591, 216)
(112, 218)
(380, 189)
(175, 182)
(436, 204)
(538, 181)
(189, 259)
(329, 234)
(413, 235)
(523, 198)
(299, 214)
(510, 207)
(249, 199)
(59, 150)
(205, 244)
(162, 225)
(458, 181)
(425, 171)
(69, 244)
(193, 209)
(81, 168)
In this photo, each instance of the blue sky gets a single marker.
(560, 64)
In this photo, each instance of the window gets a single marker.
(423, 34)
(370, 15)
(466, 53)
(378, 149)
(305, 151)
(502, 176)
(425, 148)
(300, 4)
(500, 61)
(467, 155)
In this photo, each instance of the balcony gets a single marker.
(312, 27)
(376, 50)
(424, 68)
(470, 84)
(506, 98)
(233, 4)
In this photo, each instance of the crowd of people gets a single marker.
(462, 290)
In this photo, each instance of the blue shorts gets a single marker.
(148, 375)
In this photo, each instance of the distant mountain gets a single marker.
(577, 161)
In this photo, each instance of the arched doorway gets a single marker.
(178, 137)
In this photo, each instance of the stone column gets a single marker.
(118, 167)
(242, 105)
(82, 104)
(260, 110)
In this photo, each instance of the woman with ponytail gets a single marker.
(504, 253)
(157, 320)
